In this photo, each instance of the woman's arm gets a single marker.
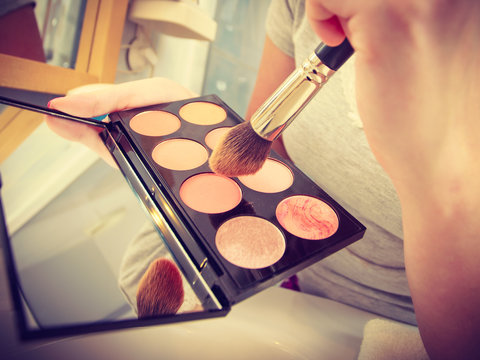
(418, 91)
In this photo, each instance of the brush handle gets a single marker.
(334, 56)
(281, 108)
(52, 112)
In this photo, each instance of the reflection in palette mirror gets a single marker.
(90, 259)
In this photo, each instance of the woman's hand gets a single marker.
(418, 80)
(90, 101)
(418, 93)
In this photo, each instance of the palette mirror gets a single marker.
(91, 260)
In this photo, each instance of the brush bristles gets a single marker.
(241, 151)
(160, 291)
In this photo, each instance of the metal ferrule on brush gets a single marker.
(290, 98)
(298, 89)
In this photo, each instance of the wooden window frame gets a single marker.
(96, 62)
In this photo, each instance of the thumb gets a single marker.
(107, 98)
(324, 23)
(85, 101)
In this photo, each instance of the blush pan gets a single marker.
(232, 237)
(307, 217)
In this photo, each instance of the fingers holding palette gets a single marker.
(246, 247)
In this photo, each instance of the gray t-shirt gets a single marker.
(328, 143)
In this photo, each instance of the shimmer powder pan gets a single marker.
(250, 242)
(232, 237)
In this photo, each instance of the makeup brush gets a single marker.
(245, 147)
(160, 291)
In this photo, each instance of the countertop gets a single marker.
(276, 324)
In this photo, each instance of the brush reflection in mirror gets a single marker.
(212, 138)
(180, 154)
(273, 177)
(210, 193)
(160, 291)
(150, 279)
(250, 242)
(203, 113)
(155, 123)
(307, 217)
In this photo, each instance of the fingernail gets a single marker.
(101, 117)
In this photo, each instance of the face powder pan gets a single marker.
(214, 136)
(179, 154)
(210, 193)
(231, 237)
(155, 123)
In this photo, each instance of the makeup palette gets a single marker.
(231, 237)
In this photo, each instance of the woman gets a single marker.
(417, 84)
